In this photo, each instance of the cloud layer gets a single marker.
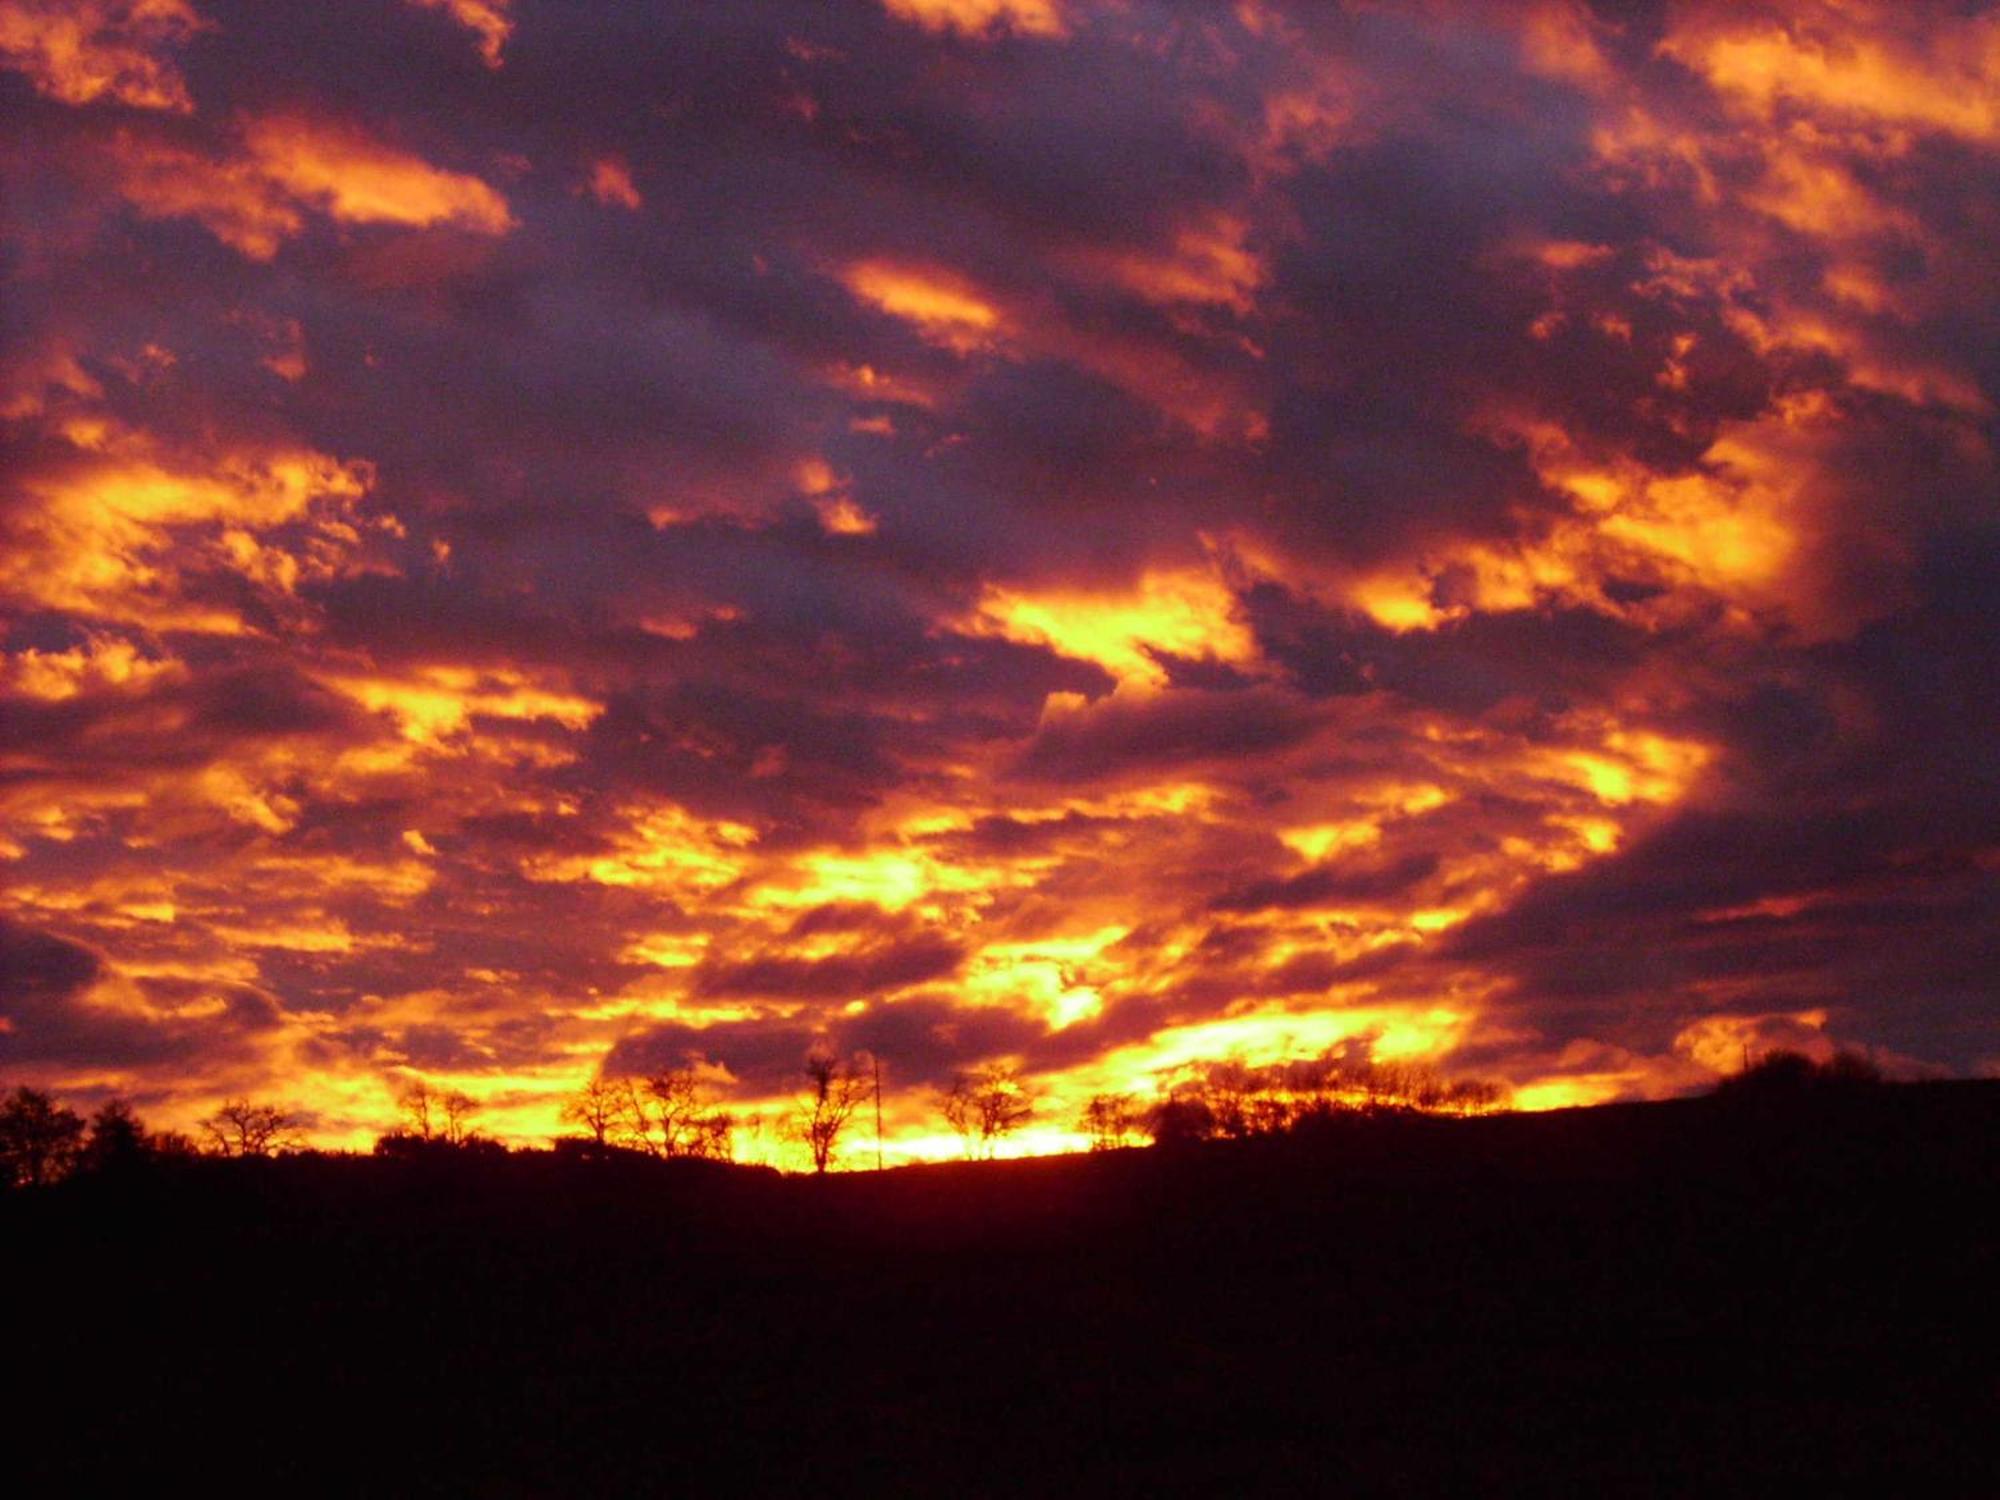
(1102, 535)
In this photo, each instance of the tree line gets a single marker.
(1234, 1100)
(671, 1113)
(664, 1113)
(43, 1141)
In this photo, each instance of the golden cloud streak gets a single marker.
(979, 18)
(1189, 612)
(1937, 74)
(254, 200)
(944, 307)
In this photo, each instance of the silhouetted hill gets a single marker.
(1709, 1296)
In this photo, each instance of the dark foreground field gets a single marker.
(1693, 1298)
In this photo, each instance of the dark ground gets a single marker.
(1693, 1298)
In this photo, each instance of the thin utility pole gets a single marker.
(876, 1063)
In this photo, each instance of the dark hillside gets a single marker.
(1709, 1296)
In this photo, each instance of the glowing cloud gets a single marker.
(1187, 613)
(1937, 74)
(485, 19)
(118, 532)
(80, 51)
(982, 17)
(611, 184)
(356, 179)
(943, 307)
(253, 200)
(1208, 264)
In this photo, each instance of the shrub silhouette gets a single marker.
(1234, 1100)
(1790, 1074)
(1109, 1120)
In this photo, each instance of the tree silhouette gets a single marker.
(835, 1088)
(118, 1140)
(673, 1118)
(437, 1115)
(1785, 1074)
(987, 1104)
(39, 1138)
(1179, 1118)
(243, 1127)
(598, 1109)
(1109, 1120)
(173, 1145)
(666, 1114)
(1234, 1100)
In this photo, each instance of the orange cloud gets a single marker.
(1559, 38)
(435, 705)
(1207, 264)
(611, 183)
(81, 51)
(839, 513)
(116, 528)
(980, 18)
(231, 198)
(942, 305)
(100, 664)
(357, 180)
(34, 376)
(256, 198)
(1184, 612)
(485, 19)
(1864, 64)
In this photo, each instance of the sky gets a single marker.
(542, 539)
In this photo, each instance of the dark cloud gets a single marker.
(40, 968)
(52, 1018)
(764, 1056)
(876, 967)
(1363, 881)
(1181, 732)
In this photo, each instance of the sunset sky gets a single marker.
(543, 537)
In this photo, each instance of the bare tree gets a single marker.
(1109, 1120)
(835, 1088)
(674, 1118)
(458, 1108)
(597, 1109)
(435, 1114)
(39, 1138)
(986, 1105)
(418, 1106)
(242, 1127)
